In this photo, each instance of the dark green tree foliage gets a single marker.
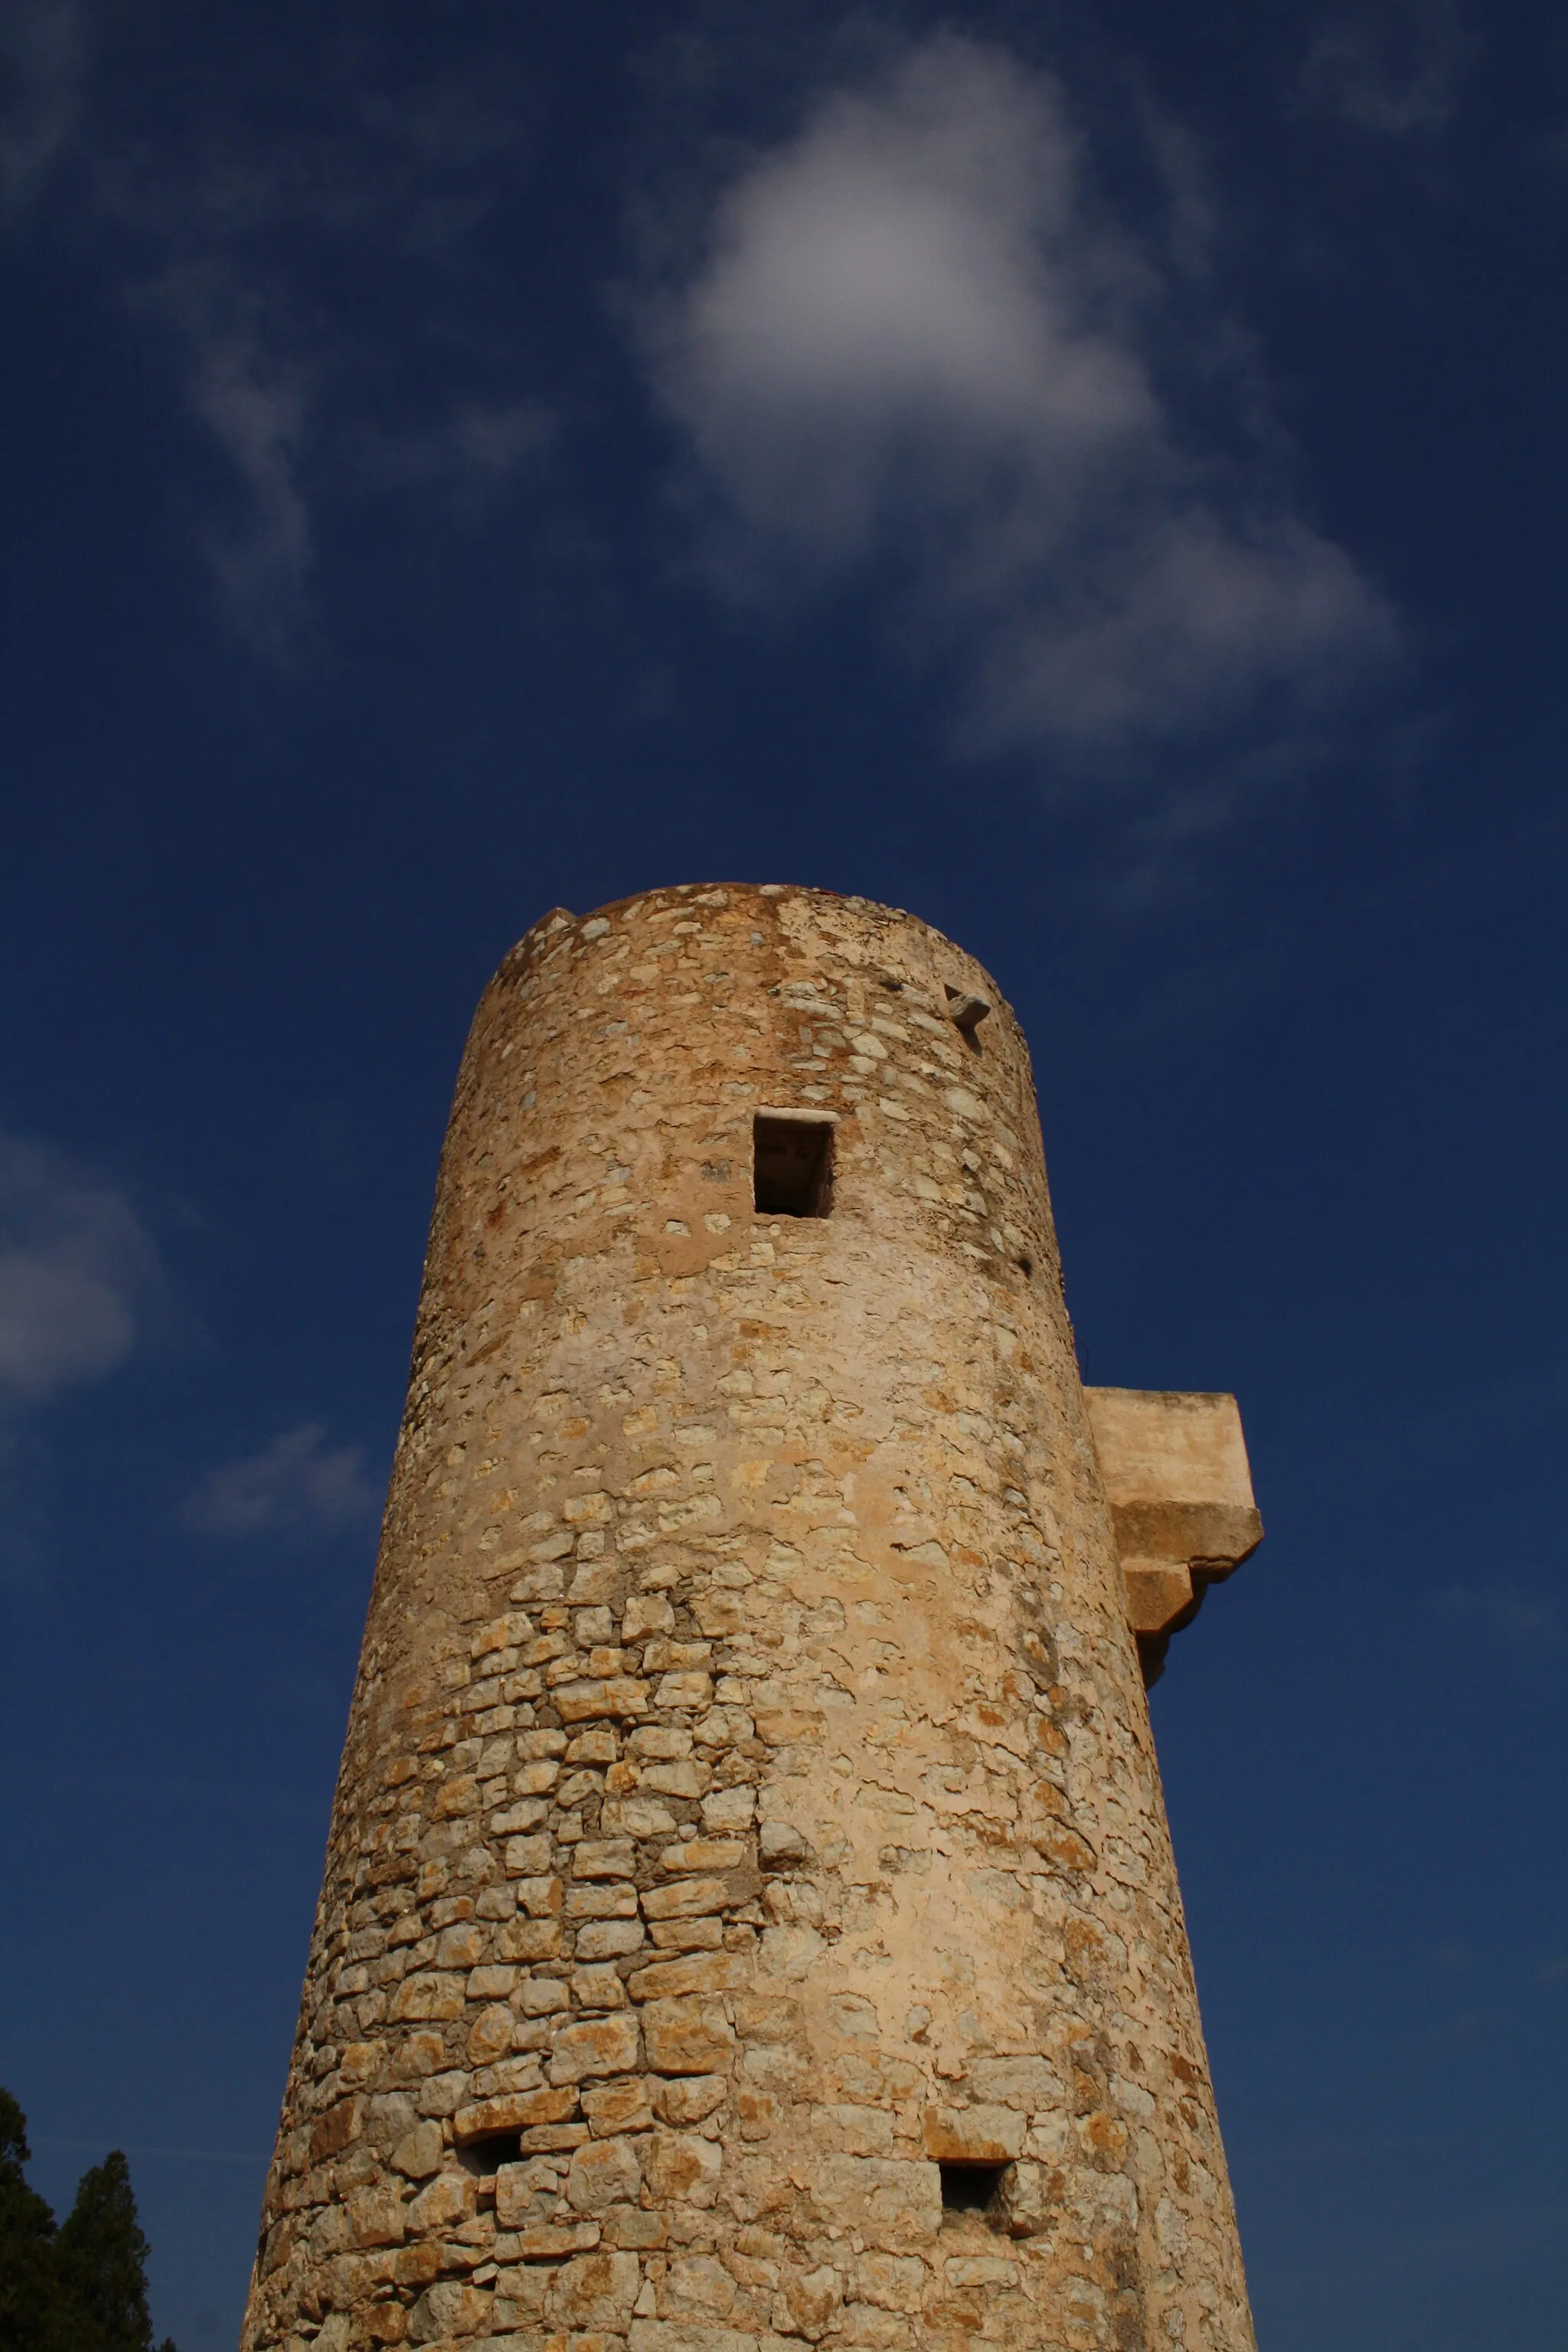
(102, 2257)
(78, 2288)
(33, 2315)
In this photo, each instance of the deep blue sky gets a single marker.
(1093, 476)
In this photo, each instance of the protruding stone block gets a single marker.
(1179, 1485)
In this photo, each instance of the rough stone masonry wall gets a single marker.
(749, 1799)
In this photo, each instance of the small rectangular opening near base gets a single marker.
(486, 2156)
(792, 1166)
(969, 2188)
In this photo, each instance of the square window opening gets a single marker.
(969, 2188)
(792, 1167)
(486, 2156)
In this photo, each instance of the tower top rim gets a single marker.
(556, 920)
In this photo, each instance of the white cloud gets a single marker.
(296, 1486)
(76, 1268)
(913, 337)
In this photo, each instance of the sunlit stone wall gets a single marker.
(748, 1830)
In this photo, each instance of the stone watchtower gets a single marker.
(749, 1915)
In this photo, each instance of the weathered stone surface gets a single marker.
(895, 2201)
(604, 2173)
(696, 2286)
(977, 2135)
(377, 2216)
(619, 2106)
(680, 2335)
(1028, 2197)
(599, 2045)
(749, 1803)
(596, 2292)
(449, 2309)
(547, 2242)
(1180, 1489)
(702, 1972)
(418, 2154)
(688, 1898)
(686, 2037)
(428, 1997)
(688, 2098)
(1027, 2082)
(446, 2204)
(683, 2168)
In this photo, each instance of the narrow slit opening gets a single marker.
(966, 1012)
(969, 2188)
(486, 2156)
(792, 1167)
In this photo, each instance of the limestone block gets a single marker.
(418, 2153)
(1023, 2082)
(594, 2291)
(688, 1898)
(545, 2241)
(688, 2098)
(604, 2173)
(810, 2301)
(894, 2203)
(520, 2292)
(690, 2036)
(618, 2106)
(599, 2045)
(857, 2131)
(377, 2216)
(683, 2169)
(698, 1972)
(1177, 1480)
(448, 2309)
(514, 2112)
(976, 2134)
(695, 2286)
(891, 2282)
(1027, 2199)
(489, 2036)
(448, 2202)
(607, 1940)
(980, 2270)
(685, 2335)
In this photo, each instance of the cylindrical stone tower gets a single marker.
(749, 1911)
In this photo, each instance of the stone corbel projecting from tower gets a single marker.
(1176, 1477)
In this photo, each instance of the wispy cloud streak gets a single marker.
(1395, 68)
(43, 56)
(295, 270)
(298, 1487)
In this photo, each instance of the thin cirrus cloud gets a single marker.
(291, 388)
(297, 1488)
(77, 1270)
(42, 59)
(260, 255)
(914, 338)
(1394, 70)
(1506, 1612)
